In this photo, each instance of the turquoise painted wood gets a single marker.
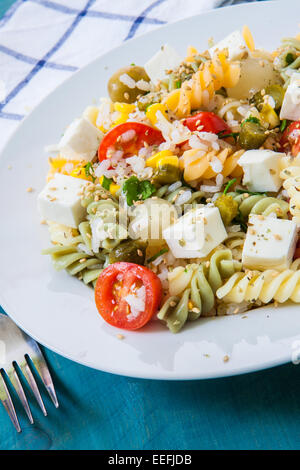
(104, 411)
(4, 5)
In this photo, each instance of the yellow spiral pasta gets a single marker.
(211, 76)
(291, 177)
(198, 165)
(265, 286)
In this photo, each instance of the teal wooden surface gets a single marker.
(104, 411)
(4, 5)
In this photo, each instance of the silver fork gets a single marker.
(16, 348)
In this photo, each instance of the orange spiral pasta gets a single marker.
(211, 76)
(198, 165)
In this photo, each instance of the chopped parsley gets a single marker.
(243, 191)
(178, 84)
(106, 182)
(89, 171)
(136, 190)
(230, 183)
(221, 135)
(157, 255)
(251, 119)
(283, 125)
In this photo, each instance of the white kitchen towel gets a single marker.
(42, 42)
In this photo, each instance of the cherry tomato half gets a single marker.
(119, 280)
(129, 137)
(290, 140)
(210, 122)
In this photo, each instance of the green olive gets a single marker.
(166, 174)
(119, 91)
(275, 91)
(228, 208)
(130, 252)
(252, 135)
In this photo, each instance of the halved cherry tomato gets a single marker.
(290, 140)
(210, 122)
(119, 280)
(129, 137)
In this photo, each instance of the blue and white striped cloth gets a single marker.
(42, 42)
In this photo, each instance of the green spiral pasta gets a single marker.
(260, 204)
(104, 210)
(86, 267)
(288, 59)
(265, 286)
(180, 195)
(193, 289)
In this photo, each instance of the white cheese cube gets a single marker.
(270, 243)
(165, 59)
(80, 141)
(196, 233)
(235, 45)
(60, 200)
(261, 170)
(290, 108)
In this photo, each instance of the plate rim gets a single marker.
(160, 375)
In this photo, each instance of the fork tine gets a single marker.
(42, 368)
(33, 385)
(8, 403)
(14, 378)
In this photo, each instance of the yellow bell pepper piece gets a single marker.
(79, 172)
(124, 107)
(113, 188)
(152, 161)
(152, 111)
(171, 160)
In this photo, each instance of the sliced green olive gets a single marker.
(130, 252)
(228, 208)
(123, 92)
(166, 174)
(275, 91)
(252, 135)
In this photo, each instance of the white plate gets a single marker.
(58, 310)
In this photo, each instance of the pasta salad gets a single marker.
(177, 197)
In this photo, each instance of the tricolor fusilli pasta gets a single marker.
(192, 289)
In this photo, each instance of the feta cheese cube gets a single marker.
(290, 108)
(165, 59)
(261, 170)
(80, 141)
(235, 45)
(270, 243)
(196, 233)
(60, 200)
